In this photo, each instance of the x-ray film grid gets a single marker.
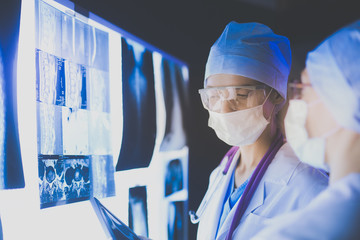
(73, 109)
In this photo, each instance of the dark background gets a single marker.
(186, 29)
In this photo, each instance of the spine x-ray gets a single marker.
(139, 109)
(11, 170)
(63, 179)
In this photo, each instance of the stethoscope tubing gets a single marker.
(229, 156)
(254, 182)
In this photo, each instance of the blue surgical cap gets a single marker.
(334, 71)
(254, 51)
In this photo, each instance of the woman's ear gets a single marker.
(276, 98)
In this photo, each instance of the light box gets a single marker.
(101, 114)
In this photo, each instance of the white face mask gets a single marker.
(308, 150)
(239, 128)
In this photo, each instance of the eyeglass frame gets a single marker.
(249, 87)
(298, 86)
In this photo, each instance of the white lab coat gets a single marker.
(287, 185)
(334, 214)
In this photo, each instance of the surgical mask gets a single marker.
(308, 150)
(239, 128)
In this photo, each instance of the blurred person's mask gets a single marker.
(239, 128)
(308, 150)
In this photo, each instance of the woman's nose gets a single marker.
(225, 107)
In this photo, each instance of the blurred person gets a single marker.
(260, 177)
(323, 126)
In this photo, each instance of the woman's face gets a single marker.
(319, 120)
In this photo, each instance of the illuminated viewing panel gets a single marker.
(101, 115)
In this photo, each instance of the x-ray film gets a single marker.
(99, 133)
(75, 125)
(176, 221)
(113, 227)
(77, 178)
(99, 49)
(75, 40)
(102, 176)
(67, 36)
(139, 109)
(63, 179)
(46, 79)
(173, 83)
(49, 29)
(99, 90)
(50, 78)
(51, 180)
(174, 178)
(2, 125)
(81, 43)
(75, 84)
(138, 221)
(11, 170)
(49, 128)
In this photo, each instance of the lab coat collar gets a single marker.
(278, 175)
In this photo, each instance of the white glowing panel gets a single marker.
(75, 125)
(100, 133)
(98, 90)
(71, 126)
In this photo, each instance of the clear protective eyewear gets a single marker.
(232, 98)
(296, 89)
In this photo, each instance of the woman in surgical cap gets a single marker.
(260, 177)
(323, 126)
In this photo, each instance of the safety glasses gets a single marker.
(232, 98)
(296, 89)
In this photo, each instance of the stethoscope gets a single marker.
(250, 188)
(229, 156)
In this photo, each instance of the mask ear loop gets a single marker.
(331, 132)
(313, 103)
(265, 102)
